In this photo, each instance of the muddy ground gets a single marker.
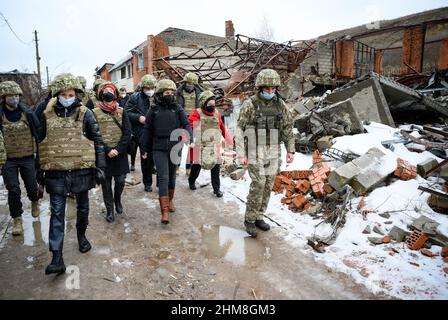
(203, 253)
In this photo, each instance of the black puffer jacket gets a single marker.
(64, 182)
(137, 106)
(161, 121)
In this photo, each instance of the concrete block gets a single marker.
(345, 111)
(343, 175)
(324, 143)
(425, 166)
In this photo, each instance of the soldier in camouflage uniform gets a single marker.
(86, 95)
(72, 158)
(265, 122)
(187, 96)
(2, 152)
(20, 129)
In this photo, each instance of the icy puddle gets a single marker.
(233, 245)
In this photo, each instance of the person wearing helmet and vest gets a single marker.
(187, 96)
(20, 129)
(265, 122)
(73, 160)
(137, 107)
(115, 130)
(165, 124)
(2, 152)
(208, 128)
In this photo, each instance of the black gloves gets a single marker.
(100, 175)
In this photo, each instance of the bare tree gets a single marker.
(265, 30)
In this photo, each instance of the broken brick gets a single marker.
(303, 186)
(328, 189)
(445, 270)
(299, 201)
(444, 252)
(416, 240)
(405, 171)
(386, 239)
(445, 259)
(428, 253)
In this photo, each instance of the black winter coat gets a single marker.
(137, 106)
(161, 121)
(64, 182)
(123, 101)
(119, 165)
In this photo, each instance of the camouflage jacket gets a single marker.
(247, 120)
(2, 151)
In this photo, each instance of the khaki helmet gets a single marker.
(9, 88)
(191, 77)
(164, 85)
(82, 81)
(204, 97)
(97, 83)
(65, 81)
(148, 81)
(267, 78)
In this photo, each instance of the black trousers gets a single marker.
(26, 168)
(57, 219)
(166, 172)
(215, 174)
(111, 197)
(132, 150)
(147, 166)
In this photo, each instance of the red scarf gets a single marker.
(108, 106)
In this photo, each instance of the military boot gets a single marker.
(261, 224)
(35, 212)
(165, 209)
(218, 193)
(17, 229)
(171, 204)
(57, 264)
(251, 229)
(188, 171)
(84, 244)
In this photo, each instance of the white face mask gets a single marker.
(149, 93)
(66, 102)
(123, 95)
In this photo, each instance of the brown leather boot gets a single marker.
(171, 195)
(165, 209)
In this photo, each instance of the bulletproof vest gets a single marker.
(65, 147)
(190, 102)
(210, 139)
(267, 117)
(19, 141)
(2, 150)
(109, 128)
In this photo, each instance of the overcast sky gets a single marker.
(77, 36)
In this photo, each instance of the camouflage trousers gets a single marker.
(263, 177)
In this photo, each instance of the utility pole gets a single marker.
(48, 78)
(37, 59)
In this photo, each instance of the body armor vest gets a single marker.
(267, 117)
(65, 147)
(2, 150)
(110, 131)
(18, 140)
(210, 140)
(190, 102)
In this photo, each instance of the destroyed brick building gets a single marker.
(28, 82)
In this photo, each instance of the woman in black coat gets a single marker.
(115, 129)
(161, 134)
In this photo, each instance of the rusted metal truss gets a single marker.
(218, 62)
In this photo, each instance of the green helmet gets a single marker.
(164, 85)
(9, 88)
(191, 77)
(204, 97)
(65, 81)
(97, 83)
(148, 81)
(267, 78)
(82, 81)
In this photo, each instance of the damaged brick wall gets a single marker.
(413, 49)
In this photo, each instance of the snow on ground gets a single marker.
(383, 269)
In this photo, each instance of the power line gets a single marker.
(12, 30)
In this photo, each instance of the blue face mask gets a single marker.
(267, 96)
(66, 102)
